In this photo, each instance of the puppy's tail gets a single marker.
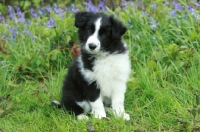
(56, 104)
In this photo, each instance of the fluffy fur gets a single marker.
(99, 74)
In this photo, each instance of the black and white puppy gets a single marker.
(99, 74)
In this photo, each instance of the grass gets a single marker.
(162, 92)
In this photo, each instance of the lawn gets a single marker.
(163, 92)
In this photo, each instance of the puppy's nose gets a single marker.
(92, 46)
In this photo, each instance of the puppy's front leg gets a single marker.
(118, 105)
(97, 108)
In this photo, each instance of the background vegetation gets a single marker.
(163, 90)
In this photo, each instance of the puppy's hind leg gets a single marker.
(86, 106)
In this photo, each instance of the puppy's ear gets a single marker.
(81, 18)
(118, 29)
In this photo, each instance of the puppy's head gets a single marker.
(98, 32)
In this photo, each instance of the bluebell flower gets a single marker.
(102, 5)
(58, 11)
(154, 6)
(193, 12)
(41, 12)
(74, 9)
(47, 8)
(33, 13)
(173, 13)
(177, 6)
(1, 17)
(21, 18)
(196, 16)
(11, 12)
(18, 11)
(14, 33)
(27, 32)
(90, 6)
(20, 15)
(28, 22)
(123, 3)
(197, 4)
(51, 23)
(66, 9)
(166, 3)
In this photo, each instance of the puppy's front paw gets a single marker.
(82, 117)
(126, 117)
(100, 115)
(123, 115)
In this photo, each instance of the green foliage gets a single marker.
(40, 48)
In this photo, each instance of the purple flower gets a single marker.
(193, 12)
(177, 6)
(123, 3)
(58, 11)
(196, 16)
(88, 4)
(166, 3)
(66, 9)
(21, 18)
(74, 9)
(1, 17)
(47, 8)
(41, 12)
(173, 13)
(154, 6)
(14, 33)
(11, 12)
(19, 13)
(26, 31)
(102, 5)
(91, 7)
(51, 23)
(197, 4)
(33, 13)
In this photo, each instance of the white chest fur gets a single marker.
(111, 73)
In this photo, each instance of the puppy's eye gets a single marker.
(89, 30)
(103, 35)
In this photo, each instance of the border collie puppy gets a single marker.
(99, 74)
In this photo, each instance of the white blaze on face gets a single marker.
(93, 39)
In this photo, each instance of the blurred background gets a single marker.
(25, 4)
